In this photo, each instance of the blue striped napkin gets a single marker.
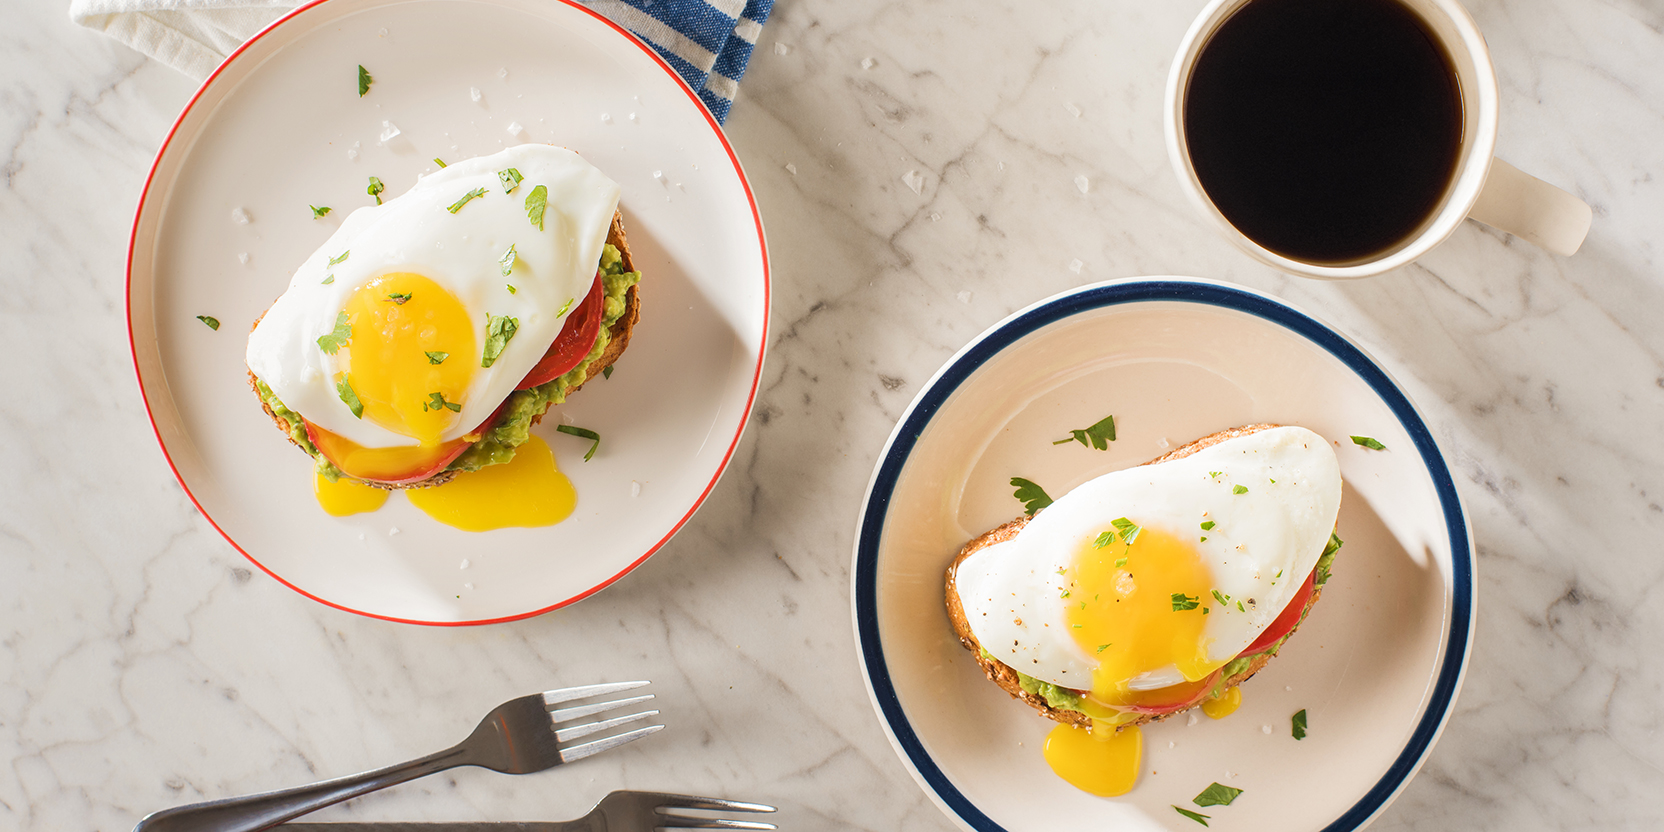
(707, 42)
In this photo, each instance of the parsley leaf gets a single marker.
(319, 212)
(536, 201)
(1241, 489)
(582, 433)
(466, 198)
(436, 401)
(440, 162)
(1099, 435)
(1224, 600)
(364, 80)
(511, 289)
(1102, 647)
(1216, 795)
(339, 258)
(343, 388)
(436, 357)
(398, 298)
(1103, 540)
(1129, 530)
(1367, 442)
(1032, 496)
(510, 179)
(1207, 525)
(1120, 562)
(1182, 602)
(606, 372)
(1300, 724)
(328, 279)
(212, 322)
(498, 330)
(337, 339)
(1195, 816)
(506, 262)
(375, 189)
(565, 307)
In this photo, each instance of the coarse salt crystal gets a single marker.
(965, 297)
(1081, 183)
(1075, 265)
(352, 155)
(913, 180)
(658, 174)
(635, 488)
(242, 257)
(868, 63)
(514, 128)
(633, 117)
(474, 94)
(1265, 729)
(393, 531)
(1191, 720)
(239, 216)
(502, 73)
(780, 48)
(389, 130)
(606, 118)
(469, 585)
(465, 564)
(791, 168)
(1073, 110)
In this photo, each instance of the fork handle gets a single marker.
(253, 812)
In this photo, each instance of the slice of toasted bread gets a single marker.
(1003, 675)
(618, 333)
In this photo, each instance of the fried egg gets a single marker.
(394, 334)
(1141, 584)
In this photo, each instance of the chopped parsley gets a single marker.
(319, 212)
(1195, 816)
(1103, 540)
(1299, 724)
(328, 279)
(1239, 607)
(440, 162)
(506, 262)
(364, 80)
(606, 372)
(212, 322)
(511, 289)
(375, 189)
(565, 307)
(1129, 530)
(1207, 525)
(398, 298)
(1120, 562)
(436, 401)
(466, 198)
(343, 388)
(1098, 435)
(436, 357)
(1102, 647)
(1182, 602)
(499, 329)
(1368, 442)
(1241, 489)
(1216, 794)
(1212, 474)
(338, 338)
(582, 433)
(510, 178)
(536, 201)
(1032, 496)
(1224, 600)
(1204, 539)
(340, 257)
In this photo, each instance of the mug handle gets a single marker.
(1533, 210)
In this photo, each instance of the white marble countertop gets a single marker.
(144, 663)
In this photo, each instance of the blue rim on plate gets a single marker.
(1060, 307)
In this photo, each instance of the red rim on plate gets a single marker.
(145, 205)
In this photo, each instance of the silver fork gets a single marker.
(519, 736)
(617, 812)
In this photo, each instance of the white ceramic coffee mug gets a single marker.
(1484, 188)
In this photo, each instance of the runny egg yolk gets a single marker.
(1137, 608)
(346, 496)
(1225, 705)
(411, 356)
(528, 490)
(1102, 761)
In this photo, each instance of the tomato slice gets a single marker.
(394, 466)
(576, 339)
(1285, 621)
(1174, 698)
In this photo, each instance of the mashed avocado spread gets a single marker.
(514, 427)
(1065, 699)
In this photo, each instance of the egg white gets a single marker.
(1262, 546)
(415, 232)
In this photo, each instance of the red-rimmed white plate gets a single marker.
(279, 127)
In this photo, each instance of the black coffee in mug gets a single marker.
(1326, 131)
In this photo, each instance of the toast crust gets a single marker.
(1003, 675)
(619, 333)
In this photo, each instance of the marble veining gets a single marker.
(923, 169)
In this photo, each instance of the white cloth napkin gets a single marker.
(192, 36)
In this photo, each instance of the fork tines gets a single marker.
(561, 716)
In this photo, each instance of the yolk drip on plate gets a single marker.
(411, 356)
(1131, 606)
(1102, 761)
(345, 496)
(1225, 705)
(525, 491)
